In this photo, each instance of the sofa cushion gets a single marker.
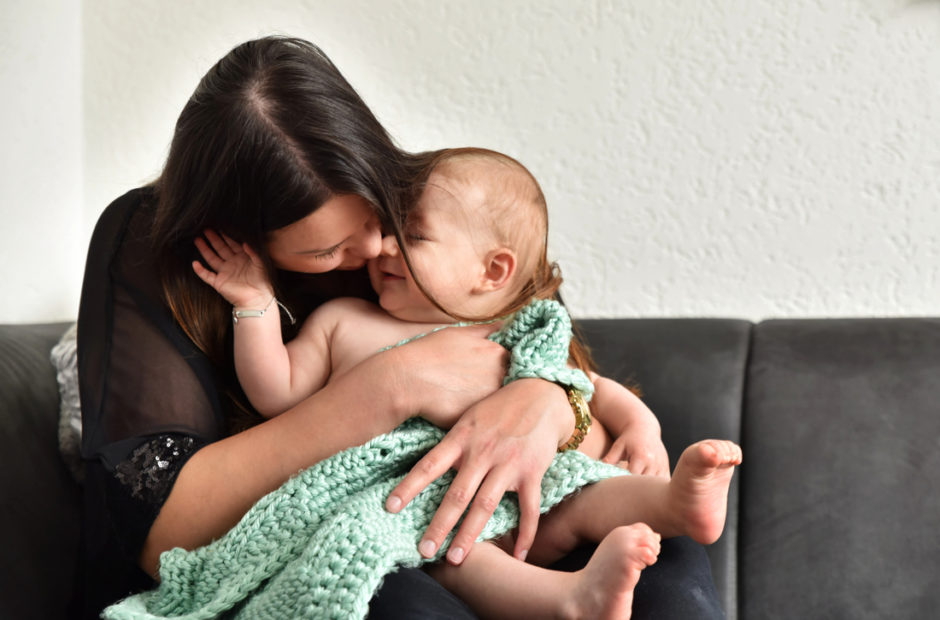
(40, 503)
(843, 490)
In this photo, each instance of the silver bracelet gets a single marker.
(248, 314)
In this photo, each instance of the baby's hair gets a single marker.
(517, 214)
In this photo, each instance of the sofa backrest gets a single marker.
(842, 510)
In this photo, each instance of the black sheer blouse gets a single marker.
(150, 398)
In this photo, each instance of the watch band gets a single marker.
(582, 419)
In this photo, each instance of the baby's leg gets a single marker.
(692, 503)
(496, 585)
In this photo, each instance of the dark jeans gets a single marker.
(678, 586)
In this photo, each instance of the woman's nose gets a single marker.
(371, 239)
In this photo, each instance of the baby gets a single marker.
(476, 242)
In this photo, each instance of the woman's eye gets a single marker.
(328, 254)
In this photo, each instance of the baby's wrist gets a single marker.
(258, 300)
(273, 305)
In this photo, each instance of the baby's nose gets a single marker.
(389, 245)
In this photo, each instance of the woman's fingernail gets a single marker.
(393, 503)
(427, 548)
(522, 554)
(455, 555)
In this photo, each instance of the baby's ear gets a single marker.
(499, 266)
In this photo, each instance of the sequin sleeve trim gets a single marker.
(151, 470)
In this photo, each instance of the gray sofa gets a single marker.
(834, 514)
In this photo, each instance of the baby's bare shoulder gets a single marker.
(345, 309)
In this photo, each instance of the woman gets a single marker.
(275, 149)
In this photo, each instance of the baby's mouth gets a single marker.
(388, 274)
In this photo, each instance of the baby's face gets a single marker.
(440, 237)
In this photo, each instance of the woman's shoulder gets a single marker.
(114, 220)
(128, 203)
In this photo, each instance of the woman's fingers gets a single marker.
(484, 504)
(530, 496)
(432, 466)
(504, 443)
(479, 487)
(459, 495)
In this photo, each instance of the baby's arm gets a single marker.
(637, 444)
(274, 376)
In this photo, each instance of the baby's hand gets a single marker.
(236, 271)
(639, 451)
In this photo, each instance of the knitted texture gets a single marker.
(320, 545)
(538, 336)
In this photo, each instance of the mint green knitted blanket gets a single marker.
(320, 545)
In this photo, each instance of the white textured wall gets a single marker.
(42, 241)
(747, 158)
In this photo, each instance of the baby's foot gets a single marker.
(605, 586)
(699, 488)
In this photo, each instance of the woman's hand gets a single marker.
(504, 443)
(237, 272)
(447, 372)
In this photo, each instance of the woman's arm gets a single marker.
(220, 482)
(638, 444)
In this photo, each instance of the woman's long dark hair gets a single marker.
(271, 132)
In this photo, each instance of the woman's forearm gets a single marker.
(223, 480)
(439, 377)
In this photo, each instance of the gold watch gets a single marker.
(582, 419)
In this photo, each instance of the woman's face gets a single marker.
(343, 233)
